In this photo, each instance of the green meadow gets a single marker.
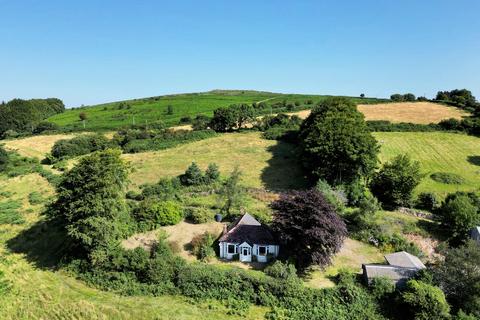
(111, 116)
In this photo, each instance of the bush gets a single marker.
(152, 214)
(45, 126)
(212, 173)
(198, 215)
(3, 159)
(427, 201)
(202, 246)
(396, 97)
(382, 288)
(280, 270)
(79, 145)
(393, 185)
(458, 215)
(425, 301)
(186, 119)
(200, 122)
(35, 198)
(193, 176)
(447, 178)
(164, 189)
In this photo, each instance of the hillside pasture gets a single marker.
(264, 163)
(36, 146)
(436, 152)
(111, 116)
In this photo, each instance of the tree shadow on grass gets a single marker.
(284, 170)
(475, 160)
(43, 244)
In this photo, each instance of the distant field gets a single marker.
(36, 146)
(414, 112)
(437, 152)
(111, 116)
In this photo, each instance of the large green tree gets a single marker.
(458, 214)
(336, 143)
(91, 204)
(393, 185)
(458, 275)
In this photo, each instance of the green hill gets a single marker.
(110, 116)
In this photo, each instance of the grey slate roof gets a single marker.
(404, 259)
(401, 266)
(247, 229)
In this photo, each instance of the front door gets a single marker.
(245, 254)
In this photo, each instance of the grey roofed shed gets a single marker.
(399, 275)
(404, 259)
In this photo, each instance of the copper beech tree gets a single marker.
(309, 229)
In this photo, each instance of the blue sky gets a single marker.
(87, 52)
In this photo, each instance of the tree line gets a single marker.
(20, 116)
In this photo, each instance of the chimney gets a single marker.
(224, 229)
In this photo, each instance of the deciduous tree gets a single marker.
(309, 229)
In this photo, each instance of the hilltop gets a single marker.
(179, 109)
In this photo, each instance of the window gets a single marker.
(231, 249)
(262, 251)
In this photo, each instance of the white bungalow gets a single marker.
(247, 240)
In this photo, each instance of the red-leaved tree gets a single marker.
(308, 228)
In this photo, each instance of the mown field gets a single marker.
(436, 152)
(111, 116)
(413, 112)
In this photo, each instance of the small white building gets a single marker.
(475, 234)
(248, 240)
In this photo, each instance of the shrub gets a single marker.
(198, 215)
(200, 122)
(427, 201)
(425, 301)
(212, 173)
(381, 288)
(152, 214)
(280, 270)
(202, 246)
(3, 159)
(79, 145)
(186, 119)
(35, 198)
(9, 213)
(393, 185)
(458, 214)
(193, 176)
(45, 126)
(447, 178)
(169, 109)
(82, 116)
(164, 189)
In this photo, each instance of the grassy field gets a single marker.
(437, 152)
(38, 291)
(111, 116)
(414, 112)
(264, 163)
